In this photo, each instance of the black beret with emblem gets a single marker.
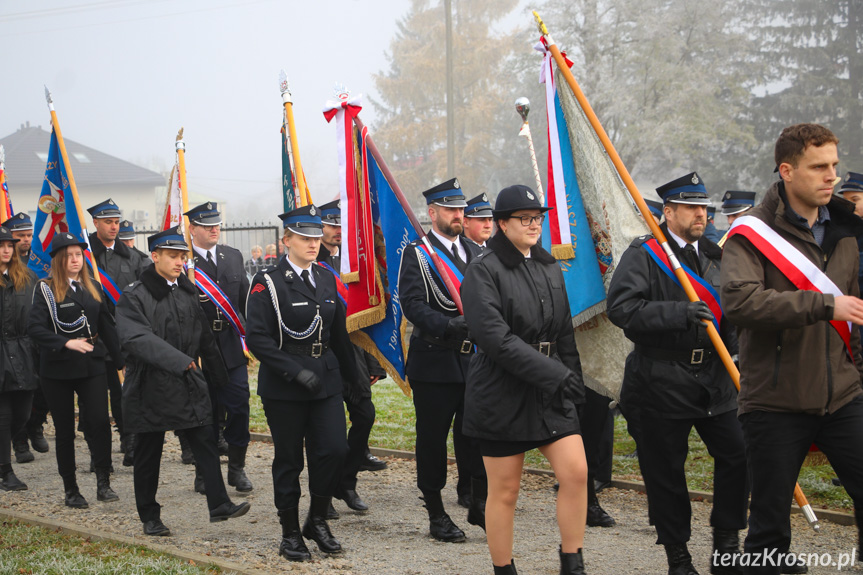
(447, 194)
(735, 202)
(514, 198)
(478, 207)
(106, 209)
(64, 240)
(305, 221)
(205, 215)
(20, 222)
(331, 213)
(6, 235)
(688, 189)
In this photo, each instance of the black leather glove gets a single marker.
(456, 328)
(696, 311)
(308, 380)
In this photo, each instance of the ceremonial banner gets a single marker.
(611, 222)
(174, 202)
(6, 210)
(289, 201)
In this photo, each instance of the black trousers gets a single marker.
(440, 406)
(14, 413)
(321, 425)
(93, 410)
(776, 444)
(148, 459)
(233, 400)
(662, 450)
(362, 414)
(594, 420)
(115, 389)
(38, 415)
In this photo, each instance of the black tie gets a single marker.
(210, 257)
(692, 258)
(307, 280)
(459, 263)
(76, 286)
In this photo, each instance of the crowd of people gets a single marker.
(172, 353)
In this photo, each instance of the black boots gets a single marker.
(127, 446)
(478, 496)
(596, 515)
(236, 469)
(292, 547)
(316, 528)
(441, 526)
(352, 500)
(8, 480)
(679, 560)
(506, 569)
(571, 563)
(21, 448)
(221, 444)
(186, 455)
(725, 559)
(199, 481)
(37, 439)
(74, 498)
(103, 485)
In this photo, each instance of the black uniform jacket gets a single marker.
(651, 309)
(163, 331)
(514, 392)
(123, 264)
(296, 310)
(16, 350)
(421, 296)
(230, 274)
(55, 360)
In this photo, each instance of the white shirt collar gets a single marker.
(111, 247)
(203, 253)
(447, 244)
(300, 270)
(681, 243)
(171, 283)
(71, 283)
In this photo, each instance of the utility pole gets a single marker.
(450, 114)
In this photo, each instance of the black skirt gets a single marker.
(493, 448)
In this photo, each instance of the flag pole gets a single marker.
(184, 195)
(56, 125)
(438, 263)
(715, 338)
(522, 106)
(4, 212)
(304, 198)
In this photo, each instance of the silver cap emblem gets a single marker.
(209, 206)
(727, 196)
(312, 210)
(69, 237)
(3, 230)
(530, 196)
(694, 178)
(484, 198)
(455, 184)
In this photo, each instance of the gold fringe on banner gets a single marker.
(563, 251)
(350, 278)
(373, 315)
(363, 340)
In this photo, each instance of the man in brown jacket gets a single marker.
(800, 381)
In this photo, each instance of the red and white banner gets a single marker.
(173, 212)
(561, 239)
(792, 263)
(344, 109)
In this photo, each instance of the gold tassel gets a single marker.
(563, 251)
(351, 277)
(363, 340)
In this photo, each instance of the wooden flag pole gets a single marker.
(184, 195)
(438, 263)
(715, 338)
(56, 125)
(304, 198)
(4, 213)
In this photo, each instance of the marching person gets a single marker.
(674, 380)
(123, 266)
(478, 220)
(297, 330)
(75, 332)
(22, 232)
(16, 355)
(164, 332)
(525, 383)
(438, 358)
(799, 374)
(224, 304)
(357, 395)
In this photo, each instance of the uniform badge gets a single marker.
(339, 204)
(727, 196)
(3, 230)
(484, 198)
(695, 179)
(257, 288)
(111, 202)
(312, 210)
(69, 237)
(289, 274)
(529, 195)
(455, 184)
(209, 206)
(21, 216)
(847, 176)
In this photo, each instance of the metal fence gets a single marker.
(242, 237)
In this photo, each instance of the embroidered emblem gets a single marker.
(258, 288)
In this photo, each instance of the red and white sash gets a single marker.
(792, 263)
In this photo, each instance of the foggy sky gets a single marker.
(125, 75)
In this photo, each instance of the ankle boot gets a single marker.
(292, 546)
(506, 569)
(596, 515)
(571, 563)
(186, 455)
(9, 481)
(103, 486)
(316, 528)
(21, 448)
(725, 559)
(36, 436)
(221, 444)
(441, 526)
(74, 498)
(200, 487)
(478, 496)
(236, 468)
(679, 560)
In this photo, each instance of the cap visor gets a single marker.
(480, 214)
(454, 204)
(693, 202)
(735, 210)
(307, 232)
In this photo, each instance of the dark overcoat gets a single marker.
(16, 349)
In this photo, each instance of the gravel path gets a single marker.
(392, 538)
